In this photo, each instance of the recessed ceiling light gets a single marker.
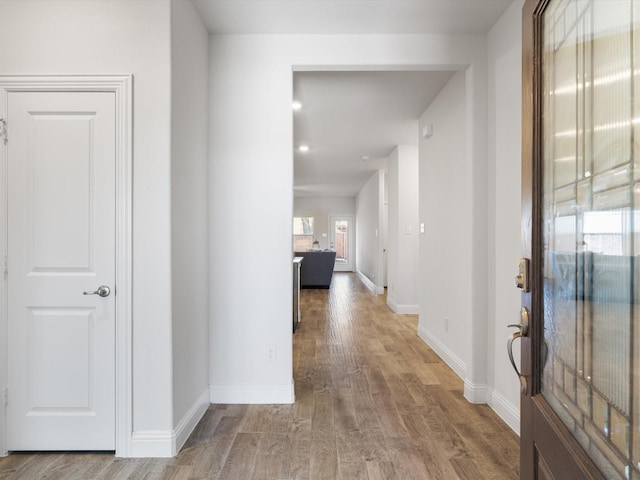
(365, 157)
(303, 148)
(296, 105)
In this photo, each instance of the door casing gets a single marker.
(121, 86)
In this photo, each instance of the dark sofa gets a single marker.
(316, 269)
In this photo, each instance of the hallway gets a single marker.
(372, 402)
(382, 403)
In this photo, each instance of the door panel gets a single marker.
(61, 243)
(52, 248)
(582, 231)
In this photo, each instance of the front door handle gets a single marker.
(523, 331)
(103, 291)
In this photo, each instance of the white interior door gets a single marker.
(342, 240)
(61, 243)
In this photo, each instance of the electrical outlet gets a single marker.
(271, 353)
(446, 324)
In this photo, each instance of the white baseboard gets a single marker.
(476, 393)
(252, 394)
(190, 420)
(152, 444)
(505, 410)
(450, 358)
(369, 283)
(402, 309)
(158, 443)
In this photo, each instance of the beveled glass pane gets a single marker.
(612, 178)
(591, 64)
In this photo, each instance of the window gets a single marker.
(302, 233)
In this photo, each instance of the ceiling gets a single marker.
(350, 16)
(350, 115)
(346, 116)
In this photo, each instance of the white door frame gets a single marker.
(121, 86)
(352, 236)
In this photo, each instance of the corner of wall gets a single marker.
(165, 443)
(190, 420)
(476, 393)
(402, 309)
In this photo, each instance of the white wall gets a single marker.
(320, 208)
(251, 171)
(403, 231)
(504, 47)
(446, 309)
(189, 216)
(369, 210)
(116, 37)
(451, 261)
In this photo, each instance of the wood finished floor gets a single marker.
(372, 402)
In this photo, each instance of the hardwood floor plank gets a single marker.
(377, 470)
(392, 424)
(241, 458)
(344, 413)
(491, 452)
(375, 379)
(218, 447)
(270, 457)
(298, 451)
(13, 465)
(424, 372)
(407, 461)
(205, 428)
(74, 466)
(322, 419)
(352, 471)
(323, 464)
(126, 469)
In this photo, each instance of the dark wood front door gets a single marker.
(580, 361)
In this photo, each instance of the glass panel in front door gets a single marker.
(591, 196)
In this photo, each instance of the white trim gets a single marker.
(190, 420)
(402, 309)
(253, 394)
(505, 410)
(4, 289)
(165, 443)
(450, 358)
(476, 393)
(369, 284)
(152, 444)
(122, 87)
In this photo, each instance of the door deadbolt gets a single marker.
(522, 279)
